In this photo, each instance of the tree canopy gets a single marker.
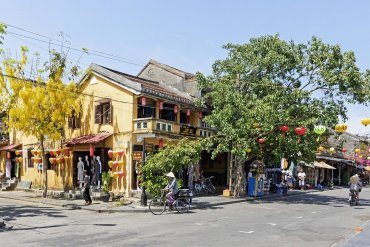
(38, 106)
(267, 83)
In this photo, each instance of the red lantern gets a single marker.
(91, 151)
(66, 151)
(175, 109)
(121, 152)
(8, 155)
(51, 153)
(57, 152)
(284, 128)
(161, 106)
(261, 141)
(300, 131)
(160, 143)
(344, 150)
(143, 101)
(110, 153)
(200, 115)
(188, 112)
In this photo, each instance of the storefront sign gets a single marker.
(137, 155)
(187, 130)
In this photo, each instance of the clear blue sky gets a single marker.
(188, 34)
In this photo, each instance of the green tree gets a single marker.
(171, 158)
(269, 82)
(38, 107)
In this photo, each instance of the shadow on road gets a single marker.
(11, 212)
(316, 199)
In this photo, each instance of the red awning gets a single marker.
(10, 147)
(89, 139)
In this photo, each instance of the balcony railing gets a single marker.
(144, 125)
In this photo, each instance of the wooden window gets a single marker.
(74, 122)
(104, 113)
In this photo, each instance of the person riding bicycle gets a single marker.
(172, 187)
(355, 186)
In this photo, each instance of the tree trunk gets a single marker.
(44, 167)
(240, 181)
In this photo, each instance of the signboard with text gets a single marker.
(137, 155)
(187, 130)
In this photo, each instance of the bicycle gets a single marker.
(205, 186)
(181, 202)
(353, 198)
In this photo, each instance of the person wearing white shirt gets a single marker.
(301, 177)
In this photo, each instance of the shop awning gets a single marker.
(10, 147)
(88, 139)
(323, 165)
(344, 161)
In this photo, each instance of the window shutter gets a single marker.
(78, 122)
(98, 115)
(110, 113)
(70, 122)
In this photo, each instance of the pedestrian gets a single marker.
(301, 177)
(86, 189)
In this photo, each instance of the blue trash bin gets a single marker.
(252, 187)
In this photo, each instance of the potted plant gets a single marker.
(106, 179)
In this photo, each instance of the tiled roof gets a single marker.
(144, 86)
(10, 147)
(175, 71)
(88, 139)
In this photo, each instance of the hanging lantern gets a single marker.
(110, 163)
(51, 152)
(340, 128)
(66, 151)
(249, 150)
(357, 150)
(261, 141)
(160, 105)
(110, 153)
(143, 101)
(360, 156)
(160, 144)
(121, 152)
(344, 150)
(319, 129)
(200, 115)
(284, 128)
(57, 152)
(365, 121)
(321, 148)
(8, 155)
(332, 150)
(368, 158)
(20, 160)
(300, 131)
(188, 112)
(52, 161)
(175, 109)
(39, 152)
(91, 151)
(34, 152)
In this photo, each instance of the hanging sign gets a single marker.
(187, 130)
(137, 155)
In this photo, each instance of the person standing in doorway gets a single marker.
(86, 192)
(301, 177)
(80, 169)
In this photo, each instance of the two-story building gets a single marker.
(130, 115)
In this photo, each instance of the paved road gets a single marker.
(317, 219)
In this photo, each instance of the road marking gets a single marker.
(198, 224)
(246, 232)
(313, 212)
(273, 224)
(226, 217)
(299, 217)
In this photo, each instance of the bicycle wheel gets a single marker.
(182, 205)
(211, 189)
(157, 206)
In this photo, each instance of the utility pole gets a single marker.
(144, 197)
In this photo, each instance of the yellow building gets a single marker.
(120, 112)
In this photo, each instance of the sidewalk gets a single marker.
(132, 205)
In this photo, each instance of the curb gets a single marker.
(146, 210)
